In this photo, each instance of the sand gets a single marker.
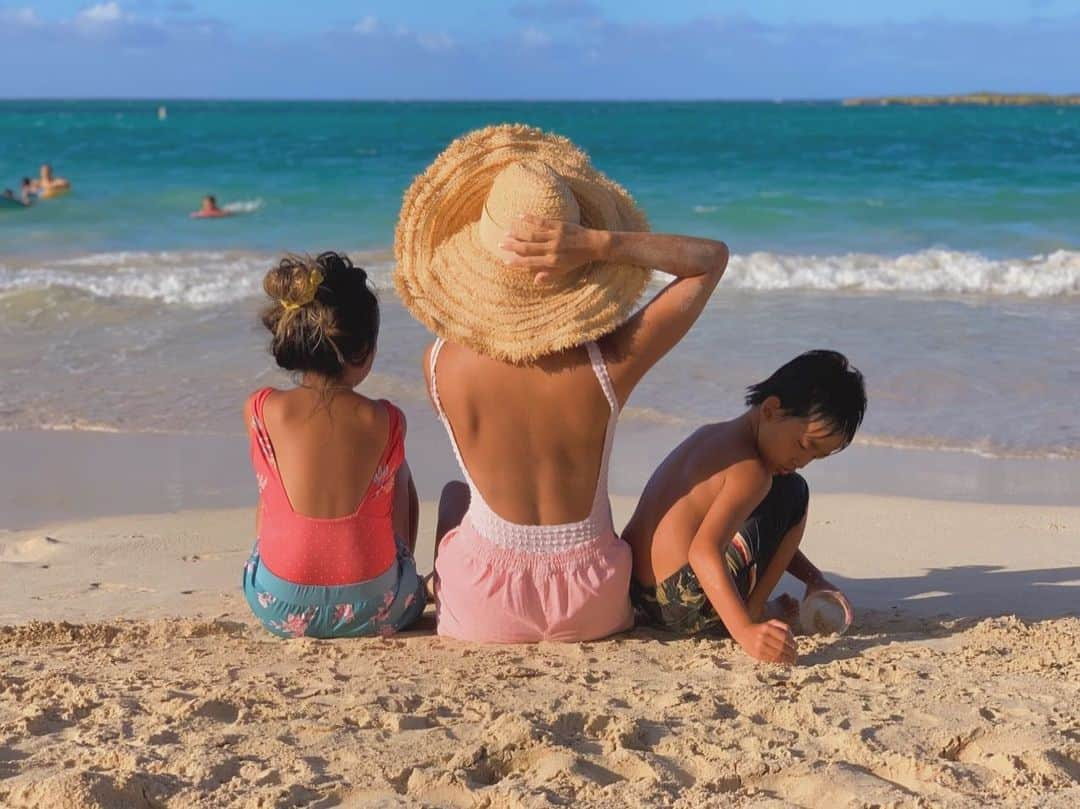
(132, 675)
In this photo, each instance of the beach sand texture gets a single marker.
(134, 707)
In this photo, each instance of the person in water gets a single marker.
(528, 264)
(723, 516)
(209, 209)
(49, 185)
(27, 191)
(337, 516)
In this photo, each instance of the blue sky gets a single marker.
(456, 49)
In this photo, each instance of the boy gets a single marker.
(722, 517)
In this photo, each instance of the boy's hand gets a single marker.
(819, 582)
(550, 248)
(770, 641)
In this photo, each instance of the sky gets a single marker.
(534, 49)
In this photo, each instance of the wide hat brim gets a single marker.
(461, 292)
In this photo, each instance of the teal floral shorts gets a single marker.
(380, 606)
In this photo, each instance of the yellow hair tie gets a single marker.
(315, 278)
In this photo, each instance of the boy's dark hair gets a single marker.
(26, 181)
(819, 384)
(324, 314)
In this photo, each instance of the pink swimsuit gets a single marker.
(326, 551)
(504, 582)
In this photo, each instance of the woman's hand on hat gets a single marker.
(550, 248)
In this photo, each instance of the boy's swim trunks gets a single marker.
(679, 603)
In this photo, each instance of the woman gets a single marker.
(527, 263)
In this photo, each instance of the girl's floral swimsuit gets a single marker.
(334, 577)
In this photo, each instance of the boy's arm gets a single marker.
(807, 572)
(804, 570)
(744, 486)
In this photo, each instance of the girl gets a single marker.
(337, 516)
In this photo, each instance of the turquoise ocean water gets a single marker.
(791, 178)
(938, 247)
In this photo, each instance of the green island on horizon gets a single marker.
(981, 99)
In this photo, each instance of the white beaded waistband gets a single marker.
(539, 539)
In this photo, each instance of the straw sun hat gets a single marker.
(449, 271)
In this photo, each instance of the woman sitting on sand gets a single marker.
(327, 564)
(534, 359)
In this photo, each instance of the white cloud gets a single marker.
(18, 16)
(535, 38)
(367, 25)
(102, 13)
(435, 42)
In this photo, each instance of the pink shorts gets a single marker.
(492, 594)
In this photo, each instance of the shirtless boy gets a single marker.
(721, 519)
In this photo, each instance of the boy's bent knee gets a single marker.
(792, 496)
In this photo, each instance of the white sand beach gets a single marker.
(134, 676)
(935, 243)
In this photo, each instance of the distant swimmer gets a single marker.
(9, 200)
(209, 209)
(27, 191)
(50, 186)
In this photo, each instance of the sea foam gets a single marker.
(200, 278)
(927, 272)
(191, 278)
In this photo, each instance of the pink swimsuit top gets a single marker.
(326, 551)
(540, 538)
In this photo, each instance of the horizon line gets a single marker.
(779, 99)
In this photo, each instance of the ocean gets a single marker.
(939, 248)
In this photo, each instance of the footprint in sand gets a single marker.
(209, 557)
(116, 587)
(91, 789)
(218, 710)
(35, 549)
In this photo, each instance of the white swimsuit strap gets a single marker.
(599, 367)
(601, 501)
(539, 538)
(432, 363)
(436, 349)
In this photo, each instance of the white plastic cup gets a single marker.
(825, 612)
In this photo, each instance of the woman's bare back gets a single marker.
(531, 436)
(327, 448)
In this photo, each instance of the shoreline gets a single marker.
(915, 557)
(57, 475)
